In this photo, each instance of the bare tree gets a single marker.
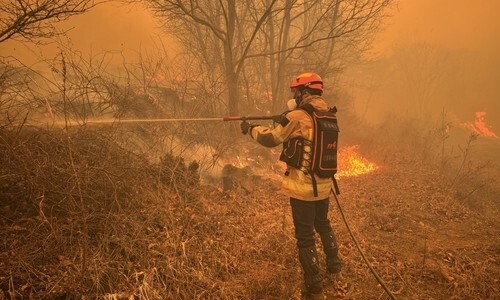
(257, 44)
(224, 29)
(423, 67)
(318, 35)
(33, 19)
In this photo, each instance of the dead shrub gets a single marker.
(176, 175)
(77, 208)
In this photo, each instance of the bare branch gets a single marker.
(193, 12)
(31, 20)
(264, 16)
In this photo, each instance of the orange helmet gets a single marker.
(309, 80)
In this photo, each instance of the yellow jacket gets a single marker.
(296, 183)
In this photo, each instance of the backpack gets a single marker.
(322, 157)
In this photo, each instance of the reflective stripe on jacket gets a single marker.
(298, 123)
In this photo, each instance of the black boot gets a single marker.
(312, 278)
(333, 261)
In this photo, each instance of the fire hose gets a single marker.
(336, 195)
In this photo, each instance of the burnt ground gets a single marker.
(147, 239)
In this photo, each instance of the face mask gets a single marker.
(298, 99)
(291, 104)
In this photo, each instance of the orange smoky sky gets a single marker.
(465, 25)
(462, 24)
(112, 27)
(107, 27)
(456, 23)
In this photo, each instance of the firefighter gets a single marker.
(309, 212)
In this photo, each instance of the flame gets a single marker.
(353, 164)
(479, 126)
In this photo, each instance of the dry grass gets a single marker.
(85, 218)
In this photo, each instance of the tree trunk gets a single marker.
(279, 89)
(230, 64)
(233, 92)
(273, 77)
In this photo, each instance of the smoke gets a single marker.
(465, 33)
(454, 24)
(108, 27)
(445, 50)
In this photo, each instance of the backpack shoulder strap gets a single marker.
(308, 108)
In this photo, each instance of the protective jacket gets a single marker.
(297, 123)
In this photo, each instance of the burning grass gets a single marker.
(479, 126)
(351, 163)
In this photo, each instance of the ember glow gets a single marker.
(479, 126)
(351, 163)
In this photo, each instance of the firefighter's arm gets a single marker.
(272, 137)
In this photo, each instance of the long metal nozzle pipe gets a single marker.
(151, 120)
(122, 121)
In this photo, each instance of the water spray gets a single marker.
(71, 123)
(274, 118)
(151, 120)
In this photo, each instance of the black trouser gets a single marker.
(307, 217)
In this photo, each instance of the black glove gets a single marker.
(245, 127)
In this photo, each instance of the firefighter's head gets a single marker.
(309, 83)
